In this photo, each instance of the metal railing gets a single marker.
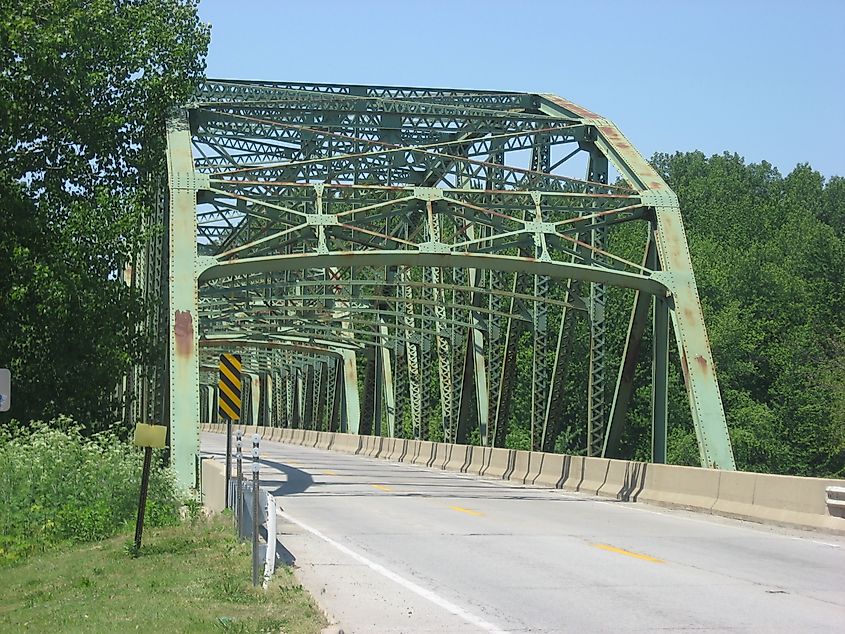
(253, 508)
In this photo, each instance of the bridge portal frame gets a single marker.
(307, 115)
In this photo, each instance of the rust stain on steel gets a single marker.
(685, 368)
(642, 168)
(349, 373)
(702, 362)
(574, 107)
(611, 132)
(183, 331)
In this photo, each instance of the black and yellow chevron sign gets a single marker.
(229, 384)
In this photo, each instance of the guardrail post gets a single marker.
(255, 522)
(239, 495)
(228, 462)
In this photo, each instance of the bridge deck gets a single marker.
(400, 548)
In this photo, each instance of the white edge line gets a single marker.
(405, 583)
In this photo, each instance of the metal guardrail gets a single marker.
(835, 497)
(252, 511)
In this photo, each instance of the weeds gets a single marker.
(57, 486)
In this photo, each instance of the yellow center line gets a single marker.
(329, 472)
(620, 551)
(381, 487)
(461, 509)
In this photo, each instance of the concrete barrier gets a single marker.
(521, 465)
(389, 450)
(343, 443)
(424, 455)
(794, 500)
(787, 500)
(624, 481)
(593, 475)
(442, 451)
(496, 462)
(213, 485)
(685, 487)
(735, 497)
(554, 469)
(375, 446)
(535, 465)
(401, 450)
(458, 457)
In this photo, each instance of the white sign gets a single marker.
(5, 389)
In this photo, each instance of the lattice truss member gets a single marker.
(383, 258)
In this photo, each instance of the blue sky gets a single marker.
(763, 79)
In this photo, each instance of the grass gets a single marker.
(195, 577)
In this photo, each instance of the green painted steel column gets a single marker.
(660, 380)
(183, 322)
(270, 401)
(387, 378)
(627, 369)
(255, 397)
(351, 400)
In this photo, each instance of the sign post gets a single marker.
(229, 404)
(148, 437)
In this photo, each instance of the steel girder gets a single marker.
(428, 231)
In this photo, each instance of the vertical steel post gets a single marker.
(660, 381)
(255, 397)
(597, 172)
(332, 393)
(412, 354)
(270, 400)
(351, 401)
(184, 319)
(387, 376)
(378, 390)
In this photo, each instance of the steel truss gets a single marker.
(377, 254)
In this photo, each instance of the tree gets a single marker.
(771, 273)
(85, 88)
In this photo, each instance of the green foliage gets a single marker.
(769, 259)
(85, 88)
(58, 486)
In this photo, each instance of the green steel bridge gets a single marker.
(375, 254)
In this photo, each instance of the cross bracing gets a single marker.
(383, 257)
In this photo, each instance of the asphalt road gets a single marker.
(387, 547)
